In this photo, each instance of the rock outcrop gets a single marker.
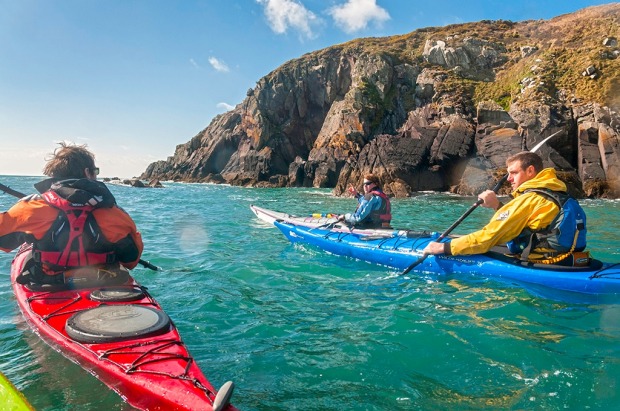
(437, 109)
(133, 182)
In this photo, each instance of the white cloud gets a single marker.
(285, 14)
(225, 106)
(354, 15)
(218, 65)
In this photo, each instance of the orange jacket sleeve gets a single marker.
(118, 227)
(28, 221)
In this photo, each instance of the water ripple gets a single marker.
(298, 329)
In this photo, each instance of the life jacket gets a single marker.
(566, 233)
(74, 239)
(382, 216)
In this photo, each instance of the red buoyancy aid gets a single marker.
(384, 214)
(73, 253)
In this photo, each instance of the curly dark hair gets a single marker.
(69, 161)
(373, 179)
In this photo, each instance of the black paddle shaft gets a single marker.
(499, 185)
(476, 204)
(10, 191)
(17, 194)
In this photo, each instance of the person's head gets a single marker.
(370, 182)
(71, 161)
(522, 167)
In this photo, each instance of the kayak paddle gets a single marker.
(471, 209)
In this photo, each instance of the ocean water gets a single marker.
(299, 329)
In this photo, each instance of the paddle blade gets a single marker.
(149, 265)
(539, 145)
(223, 396)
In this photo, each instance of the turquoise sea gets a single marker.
(298, 329)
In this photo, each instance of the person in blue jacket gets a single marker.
(373, 208)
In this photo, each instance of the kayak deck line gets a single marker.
(498, 252)
(122, 336)
(601, 273)
(144, 359)
(596, 281)
(157, 353)
(381, 240)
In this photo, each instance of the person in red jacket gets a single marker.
(73, 223)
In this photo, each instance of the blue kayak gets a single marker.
(400, 250)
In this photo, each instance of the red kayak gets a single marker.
(122, 336)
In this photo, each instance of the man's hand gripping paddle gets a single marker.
(472, 208)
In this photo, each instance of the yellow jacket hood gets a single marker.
(526, 210)
(545, 179)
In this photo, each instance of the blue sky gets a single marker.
(132, 79)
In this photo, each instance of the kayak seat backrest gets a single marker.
(84, 277)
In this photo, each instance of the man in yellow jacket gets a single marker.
(525, 211)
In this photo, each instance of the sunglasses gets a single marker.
(367, 183)
(95, 171)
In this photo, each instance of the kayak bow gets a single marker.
(122, 336)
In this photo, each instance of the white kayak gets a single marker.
(325, 220)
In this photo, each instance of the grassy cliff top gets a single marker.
(566, 46)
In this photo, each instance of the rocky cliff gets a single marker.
(435, 109)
